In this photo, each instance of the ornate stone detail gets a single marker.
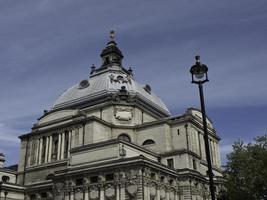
(123, 114)
(109, 192)
(120, 79)
(94, 193)
(132, 190)
(152, 191)
(162, 194)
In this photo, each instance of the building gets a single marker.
(109, 137)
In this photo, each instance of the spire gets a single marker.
(111, 54)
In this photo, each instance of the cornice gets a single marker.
(46, 165)
(109, 142)
(178, 152)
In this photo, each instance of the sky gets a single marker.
(47, 46)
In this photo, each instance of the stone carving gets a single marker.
(162, 194)
(152, 191)
(172, 196)
(94, 194)
(78, 193)
(109, 192)
(132, 189)
(120, 79)
(123, 114)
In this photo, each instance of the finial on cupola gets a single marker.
(92, 69)
(112, 35)
(130, 71)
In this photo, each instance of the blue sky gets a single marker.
(47, 46)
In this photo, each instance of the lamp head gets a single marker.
(199, 72)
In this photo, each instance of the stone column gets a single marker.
(86, 193)
(37, 153)
(158, 193)
(72, 195)
(117, 191)
(167, 194)
(147, 192)
(62, 145)
(59, 144)
(50, 148)
(80, 129)
(40, 151)
(214, 153)
(46, 149)
(102, 193)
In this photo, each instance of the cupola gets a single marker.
(111, 55)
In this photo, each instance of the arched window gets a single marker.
(124, 137)
(5, 179)
(149, 141)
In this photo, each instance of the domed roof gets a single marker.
(108, 82)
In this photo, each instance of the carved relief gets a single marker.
(78, 193)
(162, 194)
(152, 191)
(109, 192)
(120, 79)
(132, 190)
(94, 194)
(123, 114)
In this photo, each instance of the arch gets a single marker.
(148, 142)
(124, 137)
(5, 179)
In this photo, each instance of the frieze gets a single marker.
(120, 79)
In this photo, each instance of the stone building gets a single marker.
(110, 137)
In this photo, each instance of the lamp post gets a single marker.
(199, 74)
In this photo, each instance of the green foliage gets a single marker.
(246, 171)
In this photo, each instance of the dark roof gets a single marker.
(12, 167)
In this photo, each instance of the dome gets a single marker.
(105, 83)
(108, 80)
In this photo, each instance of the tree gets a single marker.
(246, 171)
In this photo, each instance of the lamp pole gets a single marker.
(199, 74)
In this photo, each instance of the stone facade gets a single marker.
(109, 137)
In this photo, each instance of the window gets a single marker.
(153, 176)
(79, 181)
(170, 163)
(194, 164)
(66, 147)
(43, 195)
(109, 177)
(178, 131)
(94, 179)
(124, 137)
(54, 147)
(32, 197)
(148, 142)
(5, 179)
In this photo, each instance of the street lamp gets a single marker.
(199, 74)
